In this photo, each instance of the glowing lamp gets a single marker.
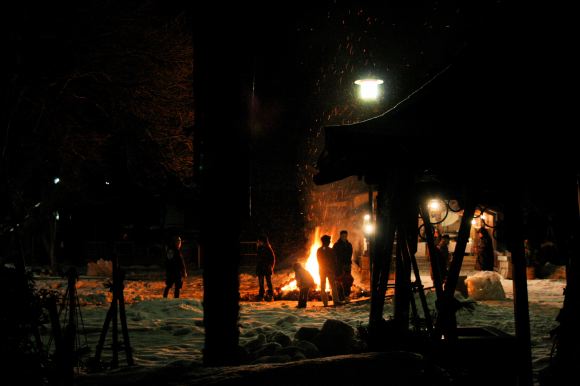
(369, 88)
(369, 229)
(434, 205)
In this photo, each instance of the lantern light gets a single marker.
(369, 88)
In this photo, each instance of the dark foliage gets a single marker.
(21, 352)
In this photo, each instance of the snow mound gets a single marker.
(485, 285)
(100, 268)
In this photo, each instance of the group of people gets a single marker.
(484, 260)
(176, 272)
(334, 264)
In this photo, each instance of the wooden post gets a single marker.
(514, 224)
(369, 236)
(382, 249)
(410, 255)
(447, 323)
(406, 217)
(433, 251)
(402, 286)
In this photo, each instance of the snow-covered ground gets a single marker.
(167, 330)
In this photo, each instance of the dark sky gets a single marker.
(306, 60)
(306, 54)
(306, 57)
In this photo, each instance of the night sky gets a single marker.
(81, 92)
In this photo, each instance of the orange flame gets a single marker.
(311, 264)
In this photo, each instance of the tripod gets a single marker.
(117, 308)
(66, 325)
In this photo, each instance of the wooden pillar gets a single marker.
(514, 224)
(382, 247)
(406, 216)
(447, 322)
(402, 285)
(433, 251)
(564, 365)
(223, 68)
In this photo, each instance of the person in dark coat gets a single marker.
(442, 246)
(175, 270)
(485, 255)
(266, 259)
(304, 282)
(444, 256)
(327, 268)
(343, 250)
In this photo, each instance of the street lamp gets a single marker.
(368, 230)
(368, 227)
(434, 205)
(369, 88)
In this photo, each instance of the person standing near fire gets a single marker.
(175, 270)
(343, 250)
(266, 259)
(327, 269)
(304, 282)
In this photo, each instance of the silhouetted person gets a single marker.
(485, 256)
(304, 282)
(343, 250)
(266, 259)
(436, 236)
(529, 253)
(444, 257)
(175, 269)
(326, 268)
(436, 241)
(547, 255)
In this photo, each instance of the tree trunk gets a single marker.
(222, 86)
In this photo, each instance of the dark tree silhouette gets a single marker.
(222, 84)
(111, 102)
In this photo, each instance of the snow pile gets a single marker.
(335, 337)
(485, 285)
(100, 268)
